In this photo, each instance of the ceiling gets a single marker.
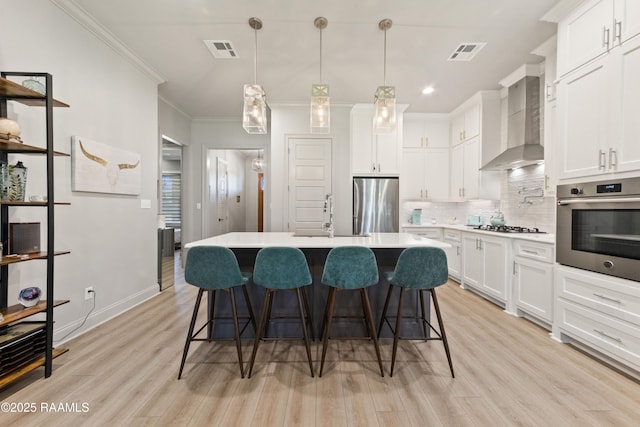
(168, 37)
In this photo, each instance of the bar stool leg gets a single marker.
(211, 306)
(327, 325)
(247, 301)
(396, 334)
(444, 335)
(236, 330)
(424, 314)
(384, 310)
(370, 327)
(259, 331)
(190, 332)
(304, 330)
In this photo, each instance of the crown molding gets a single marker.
(560, 10)
(94, 27)
(172, 105)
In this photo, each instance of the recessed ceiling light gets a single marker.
(427, 90)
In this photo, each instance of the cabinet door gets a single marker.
(627, 20)
(456, 174)
(585, 34)
(387, 156)
(412, 176)
(533, 282)
(362, 160)
(436, 133)
(472, 122)
(413, 132)
(472, 262)
(453, 259)
(494, 254)
(583, 106)
(436, 174)
(624, 145)
(471, 172)
(457, 130)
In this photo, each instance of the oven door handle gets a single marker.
(604, 200)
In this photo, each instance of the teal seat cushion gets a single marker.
(420, 268)
(281, 268)
(350, 267)
(213, 267)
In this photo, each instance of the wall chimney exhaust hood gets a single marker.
(523, 127)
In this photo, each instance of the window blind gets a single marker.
(171, 188)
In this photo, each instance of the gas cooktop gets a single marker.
(509, 229)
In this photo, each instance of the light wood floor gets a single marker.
(508, 372)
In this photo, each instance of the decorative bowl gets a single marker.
(29, 296)
(497, 221)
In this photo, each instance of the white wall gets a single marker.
(112, 240)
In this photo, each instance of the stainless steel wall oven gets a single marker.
(598, 227)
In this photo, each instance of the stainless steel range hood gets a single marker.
(523, 127)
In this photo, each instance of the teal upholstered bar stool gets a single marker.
(282, 268)
(215, 268)
(350, 268)
(422, 269)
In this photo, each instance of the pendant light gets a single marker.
(254, 113)
(257, 164)
(384, 103)
(320, 105)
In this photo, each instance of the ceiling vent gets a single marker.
(466, 51)
(221, 49)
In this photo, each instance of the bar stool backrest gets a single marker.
(350, 267)
(281, 268)
(212, 267)
(421, 268)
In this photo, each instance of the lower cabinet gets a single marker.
(601, 313)
(484, 265)
(533, 280)
(454, 253)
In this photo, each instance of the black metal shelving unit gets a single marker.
(12, 91)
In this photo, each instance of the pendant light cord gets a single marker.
(320, 55)
(384, 67)
(255, 58)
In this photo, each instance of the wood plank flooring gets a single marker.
(508, 372)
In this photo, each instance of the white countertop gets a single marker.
(536, 237)
(261, 240)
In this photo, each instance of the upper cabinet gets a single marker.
(373, 154)
(473, 145)
(598, 105)
(425, 130)
(593, 29)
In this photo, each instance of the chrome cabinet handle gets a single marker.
(604, 334)
(617, 31)
(373, 167)
(457, 250)
(526, 251)
(546, 182)
(602, 159)
(608, 298)
(613, 155)
(605, 37)
(426, 193)
(379, 169)
(514, 267)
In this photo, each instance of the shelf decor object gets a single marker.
(34, 84)
(30, 296)
(16, 182)
(320, 104)
(9, 130)
(254, 112)
(384, 104)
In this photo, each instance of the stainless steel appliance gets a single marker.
(375, 205)
(509, 229)
(598, 227)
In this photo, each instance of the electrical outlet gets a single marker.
(88, 293)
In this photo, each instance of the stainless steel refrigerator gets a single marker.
(375, 205)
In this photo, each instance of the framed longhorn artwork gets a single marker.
(101, 168)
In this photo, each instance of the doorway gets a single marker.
(170, 220)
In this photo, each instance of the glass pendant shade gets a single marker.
(254, 113)
(384, 110)
(257, 164)
(320, 109)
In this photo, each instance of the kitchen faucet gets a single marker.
(328, 206)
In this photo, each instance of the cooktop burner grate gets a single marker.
(508, 229)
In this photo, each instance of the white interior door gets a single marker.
(309, 182)
(222, 195)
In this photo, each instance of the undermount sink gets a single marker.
(335, 235)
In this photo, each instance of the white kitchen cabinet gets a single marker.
(425, 130)
(434, 233)
(597, 115)
(466, 124)
(600, 312)
(533, 280)
(484, 265)
(424, 174)
(627, 20)
(480, 144)
(454, 253)
(372, 153)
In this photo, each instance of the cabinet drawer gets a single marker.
(428, 232)
(533, 250)
(615, 338)
(618, 298)
(452, 235)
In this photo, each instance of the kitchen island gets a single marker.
(386, 246)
